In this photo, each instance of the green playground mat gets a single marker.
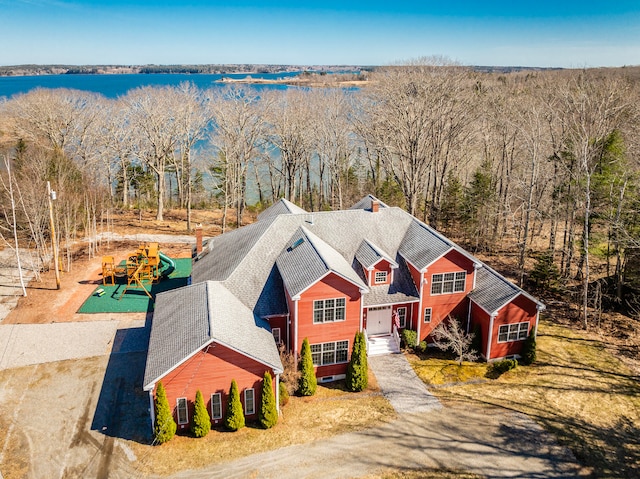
(135, 300)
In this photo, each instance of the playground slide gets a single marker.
(165, 260)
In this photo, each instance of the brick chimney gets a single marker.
(198, 238)
(375, 206)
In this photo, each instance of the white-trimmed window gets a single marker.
(216, 406)
(381, 277)
(334, 352)
(183, 411)
(329, 310)
(448, 283)
(402, 317)
(249, 401)
(427, 315)
(513, 332)
(276, 335)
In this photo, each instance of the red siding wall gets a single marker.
(519, 310)
(382, 265)
(211, 371)
(481, 318)
(443, 305)
(280, 322)
(332, 286)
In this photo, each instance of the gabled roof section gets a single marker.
(365, 203)
(281, 207)
(306, 259)
(227, 251)
(493, 291)
(421, 246)
(190, 318)
(369, 255)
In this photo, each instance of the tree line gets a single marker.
(543, 160)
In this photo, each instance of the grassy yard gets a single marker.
(331, 411)
(576, 390)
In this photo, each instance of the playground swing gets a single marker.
(142, 267)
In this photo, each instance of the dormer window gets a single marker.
(381, 277)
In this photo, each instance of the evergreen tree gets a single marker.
(307, 384)
(234, 417)
(528, 352)
(165, 427)
(545, 273)
(268, 414)
(357, 372)
(201, 423)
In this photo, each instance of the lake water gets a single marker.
(113, 86)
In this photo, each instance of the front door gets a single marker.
(379, 320)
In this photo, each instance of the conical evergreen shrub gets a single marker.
(201, 423)
(528, 353)
(357, 372)
(268, 414)
(307, 384)
(165, 427)
(234, 417)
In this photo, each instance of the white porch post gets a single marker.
(278, 393)
(490, 336)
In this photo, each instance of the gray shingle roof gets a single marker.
(494, 291)
(422, 246)
(365, 203)
(369, 254)
(188, 319)
(401, 290)
(281, 207)
(306, 258)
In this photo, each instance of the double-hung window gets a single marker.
(329, 310)
(333, 352)
(513, 332)
(448, 283)
(216, 406)
(402, 317)
(183, 411)
(381, 277)
(427, 315)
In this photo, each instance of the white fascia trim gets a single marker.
(391, 304)
(409, 262)
(482, 307)
(363, 289)
(295, 329)
(451, 248)
(152, 383)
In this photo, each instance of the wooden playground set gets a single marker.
(145, 266)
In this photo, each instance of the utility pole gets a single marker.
(52, 196)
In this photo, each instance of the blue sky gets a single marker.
(543, 33)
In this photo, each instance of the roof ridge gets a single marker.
(306, 232)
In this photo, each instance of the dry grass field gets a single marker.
(577, 390)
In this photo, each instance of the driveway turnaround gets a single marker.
(494, 444)
(401, 385)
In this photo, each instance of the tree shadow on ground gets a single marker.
(123, 407)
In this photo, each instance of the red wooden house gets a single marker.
(322, 276)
